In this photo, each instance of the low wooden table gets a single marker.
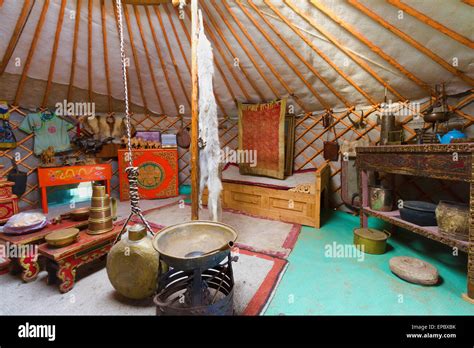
(28, 264)
(62, 263)
(453, 162)
(57, 176)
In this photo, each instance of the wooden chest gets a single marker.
(158, 173)
(6, 189)
(8, 207)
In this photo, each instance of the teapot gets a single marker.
(452, 134)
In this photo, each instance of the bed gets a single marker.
(271, 198)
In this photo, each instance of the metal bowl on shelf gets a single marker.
(62, 238)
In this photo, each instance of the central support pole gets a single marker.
(194, 114)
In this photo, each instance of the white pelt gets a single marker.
(117, 129)
(209, 156)
(104, 128)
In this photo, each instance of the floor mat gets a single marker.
(261, 235)
(256, 276)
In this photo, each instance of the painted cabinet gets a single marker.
(157, 173)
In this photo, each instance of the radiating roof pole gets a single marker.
(194, 114)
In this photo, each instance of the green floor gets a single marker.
(316, 284)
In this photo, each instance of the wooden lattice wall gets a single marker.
(310, 135)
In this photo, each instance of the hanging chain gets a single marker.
(132, 171)
(125, 82)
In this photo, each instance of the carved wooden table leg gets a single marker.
(67, 276)
(30, 268)
(52, 269)
(363, 196)
(470, 255)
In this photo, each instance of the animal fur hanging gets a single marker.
(104, 128)
(209, 156)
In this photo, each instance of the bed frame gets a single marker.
(278, 204)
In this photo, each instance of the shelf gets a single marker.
(431, 232)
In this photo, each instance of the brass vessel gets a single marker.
(132, 264)
(100, 218)
(453, 219)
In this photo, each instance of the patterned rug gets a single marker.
(256, 276)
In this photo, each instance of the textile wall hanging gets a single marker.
(7, 137)
(262, 132)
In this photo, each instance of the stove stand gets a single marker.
(197, 292)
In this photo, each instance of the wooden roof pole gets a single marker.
(89, 50)
(294, 68)
(320, 53)
(340, 72)
(234, 55)
(26, 67)
(369, 44)
(355, 58)
(411, 41)
(194, 114)
(248, 53)
(260, 53)
(229, 66)
(148, 60)
(223, 76)
(432, 23)
(20, 24)
(52, 64)
(106, 55)
(311, 67)
(158, 51)
(170, 51)
(301, 58)
(74, 49)
(136, 63)
(282, 54)
(335, 42)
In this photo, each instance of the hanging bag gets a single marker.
(182, 137)
(330, 148)
(19, 178)
(7, 137)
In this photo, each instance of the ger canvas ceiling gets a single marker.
(319, 54)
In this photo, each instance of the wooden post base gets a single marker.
(466, 298)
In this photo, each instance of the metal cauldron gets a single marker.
(196, 244)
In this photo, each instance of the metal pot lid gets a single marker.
(371, 233)
(420, 206)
